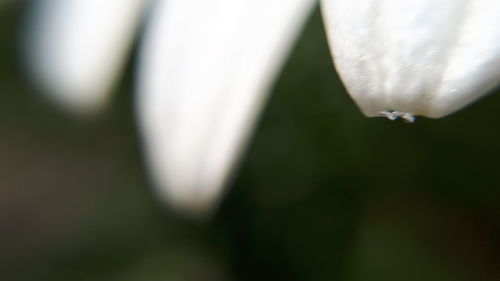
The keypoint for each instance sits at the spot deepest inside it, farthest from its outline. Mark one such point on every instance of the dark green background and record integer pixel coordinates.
(323, 193)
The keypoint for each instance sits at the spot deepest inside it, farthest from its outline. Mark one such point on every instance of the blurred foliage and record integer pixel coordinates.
(322, 194)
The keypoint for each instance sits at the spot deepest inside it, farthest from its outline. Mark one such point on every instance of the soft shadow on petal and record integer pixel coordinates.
(422, 57)
(474, 62)
(75, 48)
(205, 69)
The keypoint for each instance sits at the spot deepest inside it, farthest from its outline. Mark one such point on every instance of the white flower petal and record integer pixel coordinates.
(75, 48)
(423, 57)
(205, 69)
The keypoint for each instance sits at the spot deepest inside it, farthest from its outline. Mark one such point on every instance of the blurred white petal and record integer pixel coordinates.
(423, 57)
(205, 69)
(76, 48)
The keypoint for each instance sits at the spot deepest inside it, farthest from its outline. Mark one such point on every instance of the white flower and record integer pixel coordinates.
(423, 57)
(205, 67)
